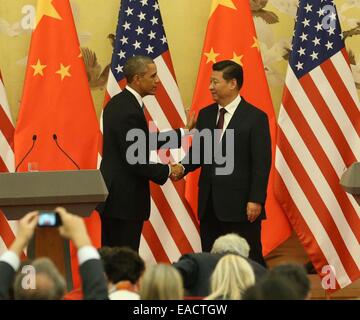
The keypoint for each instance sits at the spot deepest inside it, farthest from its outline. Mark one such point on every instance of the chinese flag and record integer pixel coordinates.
(231, 35)
(57, 100)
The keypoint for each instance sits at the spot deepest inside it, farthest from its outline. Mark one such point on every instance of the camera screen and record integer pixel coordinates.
(47, 219)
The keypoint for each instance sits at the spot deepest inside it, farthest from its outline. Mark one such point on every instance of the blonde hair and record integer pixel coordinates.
(161, 282)
(231, 243)
(231, 277)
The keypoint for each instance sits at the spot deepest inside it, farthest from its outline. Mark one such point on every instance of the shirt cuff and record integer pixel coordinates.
(12, 259)
(87, 253)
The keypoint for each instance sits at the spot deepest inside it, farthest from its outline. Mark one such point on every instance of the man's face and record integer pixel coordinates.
(149, 81)
(220, 88)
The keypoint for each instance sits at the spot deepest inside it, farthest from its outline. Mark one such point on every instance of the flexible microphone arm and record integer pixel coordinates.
(34, 137)
(63, 151)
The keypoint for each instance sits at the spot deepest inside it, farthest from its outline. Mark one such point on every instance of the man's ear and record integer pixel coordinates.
(136, 78)
(233, 83)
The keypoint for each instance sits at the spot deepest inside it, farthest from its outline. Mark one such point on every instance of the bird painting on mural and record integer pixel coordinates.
(96, 76)
(257, 8)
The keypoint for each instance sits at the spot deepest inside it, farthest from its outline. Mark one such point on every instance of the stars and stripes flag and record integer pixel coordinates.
(318, 138)
(172, 229)
(7, 228)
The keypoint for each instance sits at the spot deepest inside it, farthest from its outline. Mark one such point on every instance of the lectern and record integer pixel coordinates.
(78, 191)
(350, 181)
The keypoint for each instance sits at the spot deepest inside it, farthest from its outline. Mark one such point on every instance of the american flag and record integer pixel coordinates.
(7, 229)
(318, 138)
(172, 229)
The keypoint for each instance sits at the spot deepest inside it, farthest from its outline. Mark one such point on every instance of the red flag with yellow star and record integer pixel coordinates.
(57, 100)
(231, 35)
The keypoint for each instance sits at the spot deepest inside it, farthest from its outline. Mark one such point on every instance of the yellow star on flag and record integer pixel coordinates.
(256, 43)
(63, 71)
(211, 56)
(225, 3)
(38, 68)
(237, 59)
(46, 8)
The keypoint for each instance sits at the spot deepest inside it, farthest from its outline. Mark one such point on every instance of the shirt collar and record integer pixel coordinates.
(136, 94)
(231, 107)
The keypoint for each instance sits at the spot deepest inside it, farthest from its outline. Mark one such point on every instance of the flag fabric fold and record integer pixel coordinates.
(231, 35)
(57, 100)
(318, 138)
(7, 228)
(172, 229)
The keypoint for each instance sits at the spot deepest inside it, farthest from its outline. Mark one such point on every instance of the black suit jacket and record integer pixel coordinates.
(7, 275)
(252, 160)
(196, 270)
(128, 184)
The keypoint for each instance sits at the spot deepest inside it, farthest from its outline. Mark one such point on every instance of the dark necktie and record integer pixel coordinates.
(220, 123)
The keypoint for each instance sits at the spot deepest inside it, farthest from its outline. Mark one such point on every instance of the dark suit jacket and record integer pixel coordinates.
(252, 161)
(7, 275)
(93, 280)
(128, 184)
(197, 268)
(92, 276)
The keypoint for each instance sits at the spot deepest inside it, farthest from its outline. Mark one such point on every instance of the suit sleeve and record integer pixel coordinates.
(188, 270)
(93, 280)
(140, 165)
(7, 275)
(260, 159)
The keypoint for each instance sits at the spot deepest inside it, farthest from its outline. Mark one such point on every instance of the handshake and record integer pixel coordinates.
(177, 171)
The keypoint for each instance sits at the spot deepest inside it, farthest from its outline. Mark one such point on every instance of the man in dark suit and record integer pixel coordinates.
(232, 200)
(128, 203)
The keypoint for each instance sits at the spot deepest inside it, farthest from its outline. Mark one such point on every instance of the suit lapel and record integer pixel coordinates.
(237, 116)
(135, 104)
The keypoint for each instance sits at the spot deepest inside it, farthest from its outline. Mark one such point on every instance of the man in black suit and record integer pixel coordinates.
(231, 200)
(90, 265)
(128, 203)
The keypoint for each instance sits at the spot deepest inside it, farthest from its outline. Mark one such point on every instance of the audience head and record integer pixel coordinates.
(49, 283)
(231, 243)
(161, 282)
(122, 264)
(295, 274)
(231, 277)
(272, 287)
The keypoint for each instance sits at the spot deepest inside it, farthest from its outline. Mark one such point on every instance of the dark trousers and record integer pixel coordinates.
(121, 233)
(211, 228)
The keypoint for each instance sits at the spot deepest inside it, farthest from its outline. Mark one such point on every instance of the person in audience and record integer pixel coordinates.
(73, 228)
(296, 274)
(272, 287)
(196, 268)
(50, 284)
(123, 268)
(161, 282)
(231, 277)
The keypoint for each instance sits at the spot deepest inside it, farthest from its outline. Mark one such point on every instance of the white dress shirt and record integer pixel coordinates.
(230, 110)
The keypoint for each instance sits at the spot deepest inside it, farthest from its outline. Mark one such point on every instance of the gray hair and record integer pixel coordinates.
(231, 243)
(50, 284)
(136, 65)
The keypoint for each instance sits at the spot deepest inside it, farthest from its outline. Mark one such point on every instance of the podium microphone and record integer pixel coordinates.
(34, 137)
(63, 151)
